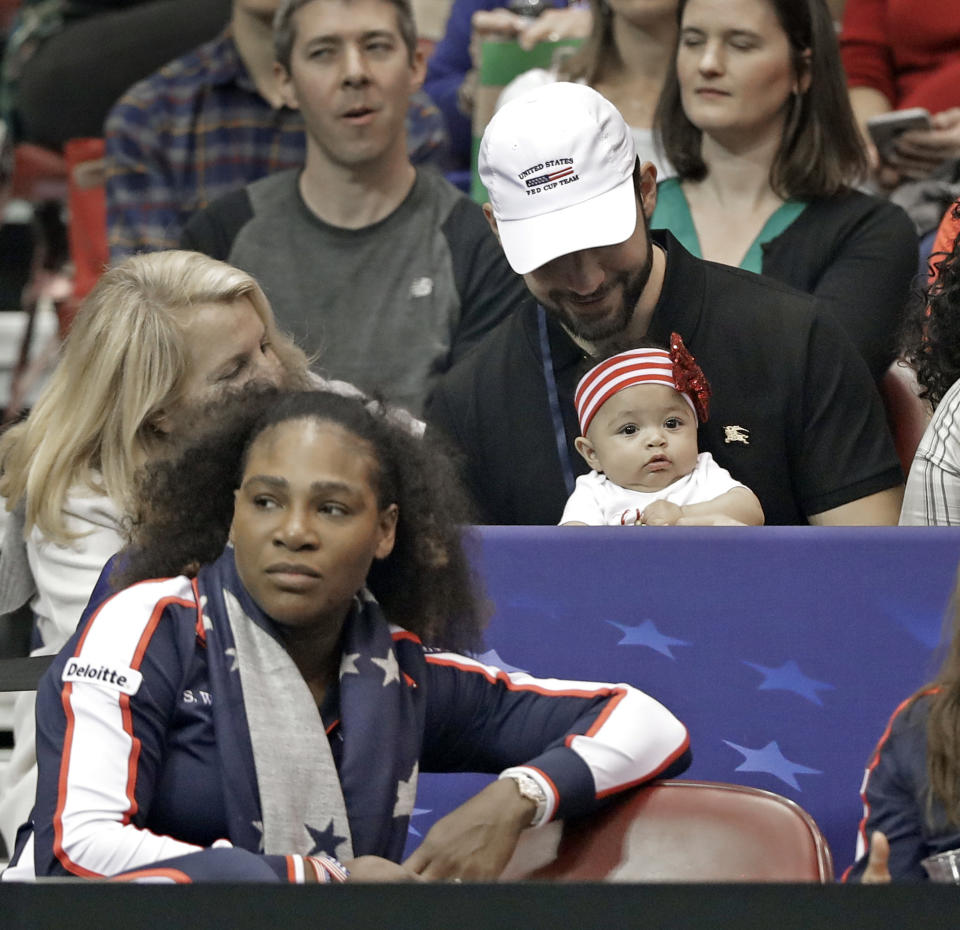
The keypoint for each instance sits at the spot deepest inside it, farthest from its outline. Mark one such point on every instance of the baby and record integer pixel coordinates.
(638, 413)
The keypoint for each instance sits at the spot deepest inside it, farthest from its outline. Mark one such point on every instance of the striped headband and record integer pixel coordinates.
(676, 369)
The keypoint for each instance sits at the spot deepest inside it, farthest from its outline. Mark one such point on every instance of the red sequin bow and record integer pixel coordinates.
(689, 377)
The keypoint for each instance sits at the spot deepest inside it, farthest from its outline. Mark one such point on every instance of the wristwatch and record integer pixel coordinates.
(532, 790)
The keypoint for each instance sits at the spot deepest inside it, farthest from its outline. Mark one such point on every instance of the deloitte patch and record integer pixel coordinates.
(125, 680)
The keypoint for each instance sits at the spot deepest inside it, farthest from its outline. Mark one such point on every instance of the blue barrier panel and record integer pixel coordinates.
(784, 650)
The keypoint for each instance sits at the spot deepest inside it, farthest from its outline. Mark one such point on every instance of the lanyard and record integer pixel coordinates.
(553, 396)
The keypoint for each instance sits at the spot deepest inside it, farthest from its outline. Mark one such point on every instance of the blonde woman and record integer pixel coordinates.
(160, 334)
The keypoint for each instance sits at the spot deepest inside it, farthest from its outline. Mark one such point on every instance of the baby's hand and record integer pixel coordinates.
(661, 513)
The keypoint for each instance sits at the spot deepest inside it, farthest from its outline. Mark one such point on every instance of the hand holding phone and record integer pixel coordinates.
(886, 127)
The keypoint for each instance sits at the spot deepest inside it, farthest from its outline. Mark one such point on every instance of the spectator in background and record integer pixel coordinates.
(756, 121)
(932, 348)
(388, 271)
(626, 58)
(911, 788)
(451, 71)
(209, 123)
(899, 54)
(157, 336)
(68, 61)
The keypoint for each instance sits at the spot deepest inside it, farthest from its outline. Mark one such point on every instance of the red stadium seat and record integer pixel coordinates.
(63, 276)
(680, 831)
(907, 414)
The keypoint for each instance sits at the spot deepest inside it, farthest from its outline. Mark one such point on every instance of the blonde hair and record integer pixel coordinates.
(123, 364)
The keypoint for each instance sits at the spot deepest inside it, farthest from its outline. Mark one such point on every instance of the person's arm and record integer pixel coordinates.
(582, 507)
(475, 841)
(65, 575)
(866, 103)
(868, 64)
(143, 206)
(736, 507)
(101, 744)
(932, 493)
(444, 426)
(500, 24)
(845, 466)
(572, 22)
(866, 53)
(487, 286)
(866, 285)
(894, 802)
(920, 153)
(579, 741)
(880, 509)
(448, 65)
(932, 496)
(213, 229)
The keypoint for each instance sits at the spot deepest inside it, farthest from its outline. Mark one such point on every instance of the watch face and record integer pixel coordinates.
(532, 790)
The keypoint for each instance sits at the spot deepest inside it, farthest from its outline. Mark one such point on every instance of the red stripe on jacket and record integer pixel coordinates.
(874, 762)
(149, 629)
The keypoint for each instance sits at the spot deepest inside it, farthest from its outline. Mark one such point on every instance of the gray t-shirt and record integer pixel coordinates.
(388, 307)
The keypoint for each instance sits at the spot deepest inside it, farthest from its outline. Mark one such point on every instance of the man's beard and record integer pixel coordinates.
(612, 324)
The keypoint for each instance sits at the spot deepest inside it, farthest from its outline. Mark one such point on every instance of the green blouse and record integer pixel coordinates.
(673, 213)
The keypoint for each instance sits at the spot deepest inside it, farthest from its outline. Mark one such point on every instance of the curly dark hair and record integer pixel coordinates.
(930, 342)
(184, 507)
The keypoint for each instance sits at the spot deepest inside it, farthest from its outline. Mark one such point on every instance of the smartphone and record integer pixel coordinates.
(528, 8)
(885, 128)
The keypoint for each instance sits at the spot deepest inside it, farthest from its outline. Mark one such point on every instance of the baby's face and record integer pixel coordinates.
(643, 438)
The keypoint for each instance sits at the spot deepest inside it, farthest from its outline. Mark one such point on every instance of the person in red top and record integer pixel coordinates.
(906, 53)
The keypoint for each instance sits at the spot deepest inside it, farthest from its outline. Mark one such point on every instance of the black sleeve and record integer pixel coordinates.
(867, 285)
(214, 229)
(588, 739)
(443, 427)
(488, 287)
(895, 799)
(844, 427)
(857, 255)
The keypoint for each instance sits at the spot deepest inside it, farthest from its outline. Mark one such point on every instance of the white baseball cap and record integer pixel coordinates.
(558, 167)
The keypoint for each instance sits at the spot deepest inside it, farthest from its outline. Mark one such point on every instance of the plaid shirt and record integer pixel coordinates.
(198, 129)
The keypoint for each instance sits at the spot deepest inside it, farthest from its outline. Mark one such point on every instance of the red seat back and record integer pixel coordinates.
(681, 831)
(907, 414)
